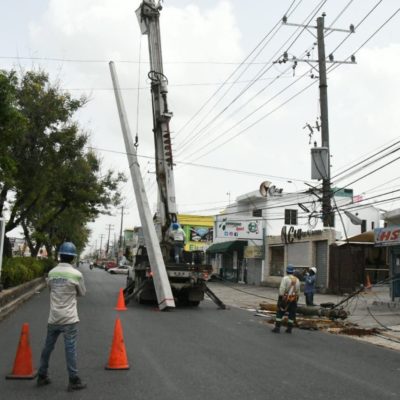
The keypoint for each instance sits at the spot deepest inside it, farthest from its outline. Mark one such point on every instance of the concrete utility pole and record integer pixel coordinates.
(327, 214)
(101, 243)
(161, 282)
(110, 227)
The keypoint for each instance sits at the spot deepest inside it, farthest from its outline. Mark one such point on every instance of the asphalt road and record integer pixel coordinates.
(196, 353)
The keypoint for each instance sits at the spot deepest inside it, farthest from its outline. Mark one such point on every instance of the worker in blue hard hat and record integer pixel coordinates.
(178, 236)
(289, 291)
(65, 283)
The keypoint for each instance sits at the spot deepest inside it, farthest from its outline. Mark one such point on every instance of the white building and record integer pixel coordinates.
(263, 231)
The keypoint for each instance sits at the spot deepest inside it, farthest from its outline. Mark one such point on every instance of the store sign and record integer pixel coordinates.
(254, 252)
(389, 236)
(238, 229)
(289, 235)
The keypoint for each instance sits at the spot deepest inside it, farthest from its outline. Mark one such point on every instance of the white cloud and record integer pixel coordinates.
(363, 103)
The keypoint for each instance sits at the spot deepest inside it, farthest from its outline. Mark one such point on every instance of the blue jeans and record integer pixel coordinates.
(309, 298)
(70, 333)
(178, 250)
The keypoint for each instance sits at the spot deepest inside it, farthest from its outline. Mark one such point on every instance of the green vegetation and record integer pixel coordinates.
(51, 182)
(18, 270)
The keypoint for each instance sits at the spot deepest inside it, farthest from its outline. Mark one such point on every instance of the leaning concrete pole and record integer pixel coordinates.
(157, 265)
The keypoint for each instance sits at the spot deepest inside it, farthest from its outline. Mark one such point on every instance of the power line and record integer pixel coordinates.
(357, 26)
(301, 91)
(101, 61)
(258, 120)
(192, 164)
(197, 135)
(189, 84)
(267, 67)
(314, 12)
(362, 164)
(377, 151)
(270, 33)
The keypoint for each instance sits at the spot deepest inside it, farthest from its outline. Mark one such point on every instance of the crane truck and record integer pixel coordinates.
(155, 275)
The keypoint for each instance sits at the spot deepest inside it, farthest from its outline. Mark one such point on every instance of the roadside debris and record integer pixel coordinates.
(329, 319)
(329, 311)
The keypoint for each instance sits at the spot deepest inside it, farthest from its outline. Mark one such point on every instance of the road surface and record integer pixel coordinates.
(196, 353)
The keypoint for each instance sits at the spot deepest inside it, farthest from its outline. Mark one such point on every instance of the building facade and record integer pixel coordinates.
(289, 231)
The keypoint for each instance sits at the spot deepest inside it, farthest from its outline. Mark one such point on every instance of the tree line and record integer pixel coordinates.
(51, 184)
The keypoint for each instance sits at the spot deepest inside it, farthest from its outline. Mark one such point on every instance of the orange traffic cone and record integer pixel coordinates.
(121, 302)
(367, 283)
(118, 358)
(23, 368)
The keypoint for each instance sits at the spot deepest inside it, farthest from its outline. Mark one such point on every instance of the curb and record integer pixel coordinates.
(11, 299)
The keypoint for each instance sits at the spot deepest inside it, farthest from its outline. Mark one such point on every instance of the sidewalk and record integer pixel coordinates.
(371, 309)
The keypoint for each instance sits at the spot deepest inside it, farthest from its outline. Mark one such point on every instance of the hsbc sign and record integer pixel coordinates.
(389, 236)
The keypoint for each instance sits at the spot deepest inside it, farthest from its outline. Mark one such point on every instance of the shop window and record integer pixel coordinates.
(277, 260)
(290, 217)
(257, 212)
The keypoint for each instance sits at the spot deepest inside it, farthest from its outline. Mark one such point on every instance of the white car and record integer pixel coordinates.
(122, 269)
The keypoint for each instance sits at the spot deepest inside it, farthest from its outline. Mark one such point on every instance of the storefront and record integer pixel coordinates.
(253, 270)
(302, 249)
(390, 237)
(227, 259)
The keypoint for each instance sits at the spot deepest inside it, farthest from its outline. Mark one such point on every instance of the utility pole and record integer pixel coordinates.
(110, 227)
(120, 229)
(327, 214)
(101, 243)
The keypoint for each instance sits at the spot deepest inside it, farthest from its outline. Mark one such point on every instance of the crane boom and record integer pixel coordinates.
(148, 15)
(187, 273)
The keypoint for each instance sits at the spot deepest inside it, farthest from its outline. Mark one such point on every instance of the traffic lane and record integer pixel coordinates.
(233, 354)
(218, 348)
(198, 352)
(98, 303)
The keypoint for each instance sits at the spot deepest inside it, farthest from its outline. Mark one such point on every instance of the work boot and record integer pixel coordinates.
(76, 384)
(277, 328)
(289, 329)
(43, 380)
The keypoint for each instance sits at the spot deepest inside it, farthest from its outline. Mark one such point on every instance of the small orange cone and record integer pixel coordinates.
(121, 302)
(23, 368)
(367, 283)
(118, 358)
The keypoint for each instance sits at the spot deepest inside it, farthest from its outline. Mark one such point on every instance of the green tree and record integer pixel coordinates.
(52, 185)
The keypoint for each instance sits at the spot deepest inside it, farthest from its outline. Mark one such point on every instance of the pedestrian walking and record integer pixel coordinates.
(178, 236)
(65, 284)
(309, 285)
(289, 291)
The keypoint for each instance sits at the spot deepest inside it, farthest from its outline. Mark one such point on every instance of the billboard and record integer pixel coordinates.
(231, 228)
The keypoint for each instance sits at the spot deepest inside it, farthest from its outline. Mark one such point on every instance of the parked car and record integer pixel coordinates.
(110, 264)
(122, 269)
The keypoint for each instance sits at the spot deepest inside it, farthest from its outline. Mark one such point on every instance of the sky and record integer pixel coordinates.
(239, 114)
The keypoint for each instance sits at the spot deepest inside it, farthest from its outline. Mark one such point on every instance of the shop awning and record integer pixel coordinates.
(226, 247)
